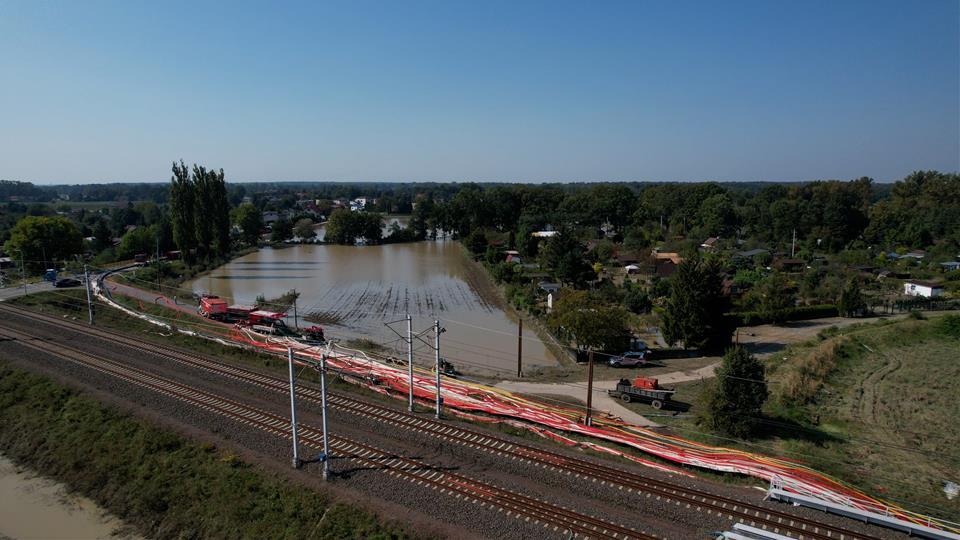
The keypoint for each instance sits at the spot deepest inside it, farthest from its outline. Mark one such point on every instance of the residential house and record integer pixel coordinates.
(914, 254)
(950, 266)
(548, 287)
(789, 265)
(665, 263)
(749, 254)
(926, 289)
(270, 217)
(710, 244)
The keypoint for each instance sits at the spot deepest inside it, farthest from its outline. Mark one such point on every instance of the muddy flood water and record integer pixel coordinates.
(36, 507)
(355, 289)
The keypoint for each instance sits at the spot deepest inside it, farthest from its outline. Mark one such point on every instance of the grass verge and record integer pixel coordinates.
(874, 405)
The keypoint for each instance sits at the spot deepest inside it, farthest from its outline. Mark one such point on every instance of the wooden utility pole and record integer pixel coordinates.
(589, 418)
(296, 323)
(519, 348)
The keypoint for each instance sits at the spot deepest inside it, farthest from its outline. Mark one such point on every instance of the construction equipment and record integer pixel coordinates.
(212, 307)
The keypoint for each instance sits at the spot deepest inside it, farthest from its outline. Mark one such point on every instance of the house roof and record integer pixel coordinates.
(923, 283)
(752, 252)
(710, 242)
(675, 258)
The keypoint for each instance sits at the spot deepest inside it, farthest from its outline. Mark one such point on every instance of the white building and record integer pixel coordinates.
(926, 289)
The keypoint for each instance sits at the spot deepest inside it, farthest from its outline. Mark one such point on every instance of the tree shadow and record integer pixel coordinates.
(383, 465)
(764, 347)
(775, 427)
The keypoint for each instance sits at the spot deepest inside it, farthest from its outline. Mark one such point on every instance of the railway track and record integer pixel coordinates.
(733, 509)
(514, 504)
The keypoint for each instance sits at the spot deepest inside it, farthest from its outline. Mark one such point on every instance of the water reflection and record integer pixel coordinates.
(354, 290)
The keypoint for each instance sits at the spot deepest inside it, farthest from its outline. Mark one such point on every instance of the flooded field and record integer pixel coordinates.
(352, 291)
(35, 507)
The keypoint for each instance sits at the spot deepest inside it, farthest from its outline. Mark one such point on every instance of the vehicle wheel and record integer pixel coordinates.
(626, 398)
(615, 364)
(657, 404)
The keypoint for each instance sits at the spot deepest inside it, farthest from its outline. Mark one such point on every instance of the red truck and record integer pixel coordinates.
(212, 307)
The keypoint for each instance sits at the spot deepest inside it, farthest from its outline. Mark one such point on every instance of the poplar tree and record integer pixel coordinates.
(203, 210)
(182, 210)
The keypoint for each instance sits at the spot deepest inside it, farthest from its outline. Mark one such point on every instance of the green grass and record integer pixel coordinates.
(874, 405)
(160, 483)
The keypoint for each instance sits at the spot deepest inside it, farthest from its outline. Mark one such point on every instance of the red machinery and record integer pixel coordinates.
(212, 307)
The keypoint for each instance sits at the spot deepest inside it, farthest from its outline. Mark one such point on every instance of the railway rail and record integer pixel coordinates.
(515, 504)
(699, 500)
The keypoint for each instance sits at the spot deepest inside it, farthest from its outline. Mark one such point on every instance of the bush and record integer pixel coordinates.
(798, 313)
(806, 375)
(950, 326)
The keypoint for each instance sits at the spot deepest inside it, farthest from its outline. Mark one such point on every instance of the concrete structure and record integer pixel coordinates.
(927, 289)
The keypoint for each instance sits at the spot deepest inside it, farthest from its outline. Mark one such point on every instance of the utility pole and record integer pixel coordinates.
(410, 360)
(293, 411)
(86, 281)
(157, 269)
(793, 244)
(23, 272)
(296, 323)
(519, 348)
(323, 404)
(589, 418)
(436, 347)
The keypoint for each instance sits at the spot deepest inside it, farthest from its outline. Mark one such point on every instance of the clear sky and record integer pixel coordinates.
(490, 91)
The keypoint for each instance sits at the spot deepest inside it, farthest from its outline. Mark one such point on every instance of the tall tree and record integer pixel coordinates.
(734, 401)
(774, 297)
(695, 311)
(250, 221)
(221, 214)
(204, 210)
(182, 211)
(851, 301)
(565, 255)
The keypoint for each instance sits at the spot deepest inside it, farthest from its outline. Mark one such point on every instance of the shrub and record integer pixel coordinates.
(950, 326)
(798, 313)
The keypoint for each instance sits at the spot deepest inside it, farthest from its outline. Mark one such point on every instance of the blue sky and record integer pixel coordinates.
(488, 91)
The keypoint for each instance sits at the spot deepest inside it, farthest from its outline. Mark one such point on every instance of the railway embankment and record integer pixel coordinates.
(162, 484)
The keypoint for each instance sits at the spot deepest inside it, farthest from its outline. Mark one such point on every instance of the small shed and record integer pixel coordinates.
(950, 266)
(926, 289)
(548, 286)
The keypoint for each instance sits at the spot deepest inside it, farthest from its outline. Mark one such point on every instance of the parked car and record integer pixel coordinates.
(629, 359)
(67, 282)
